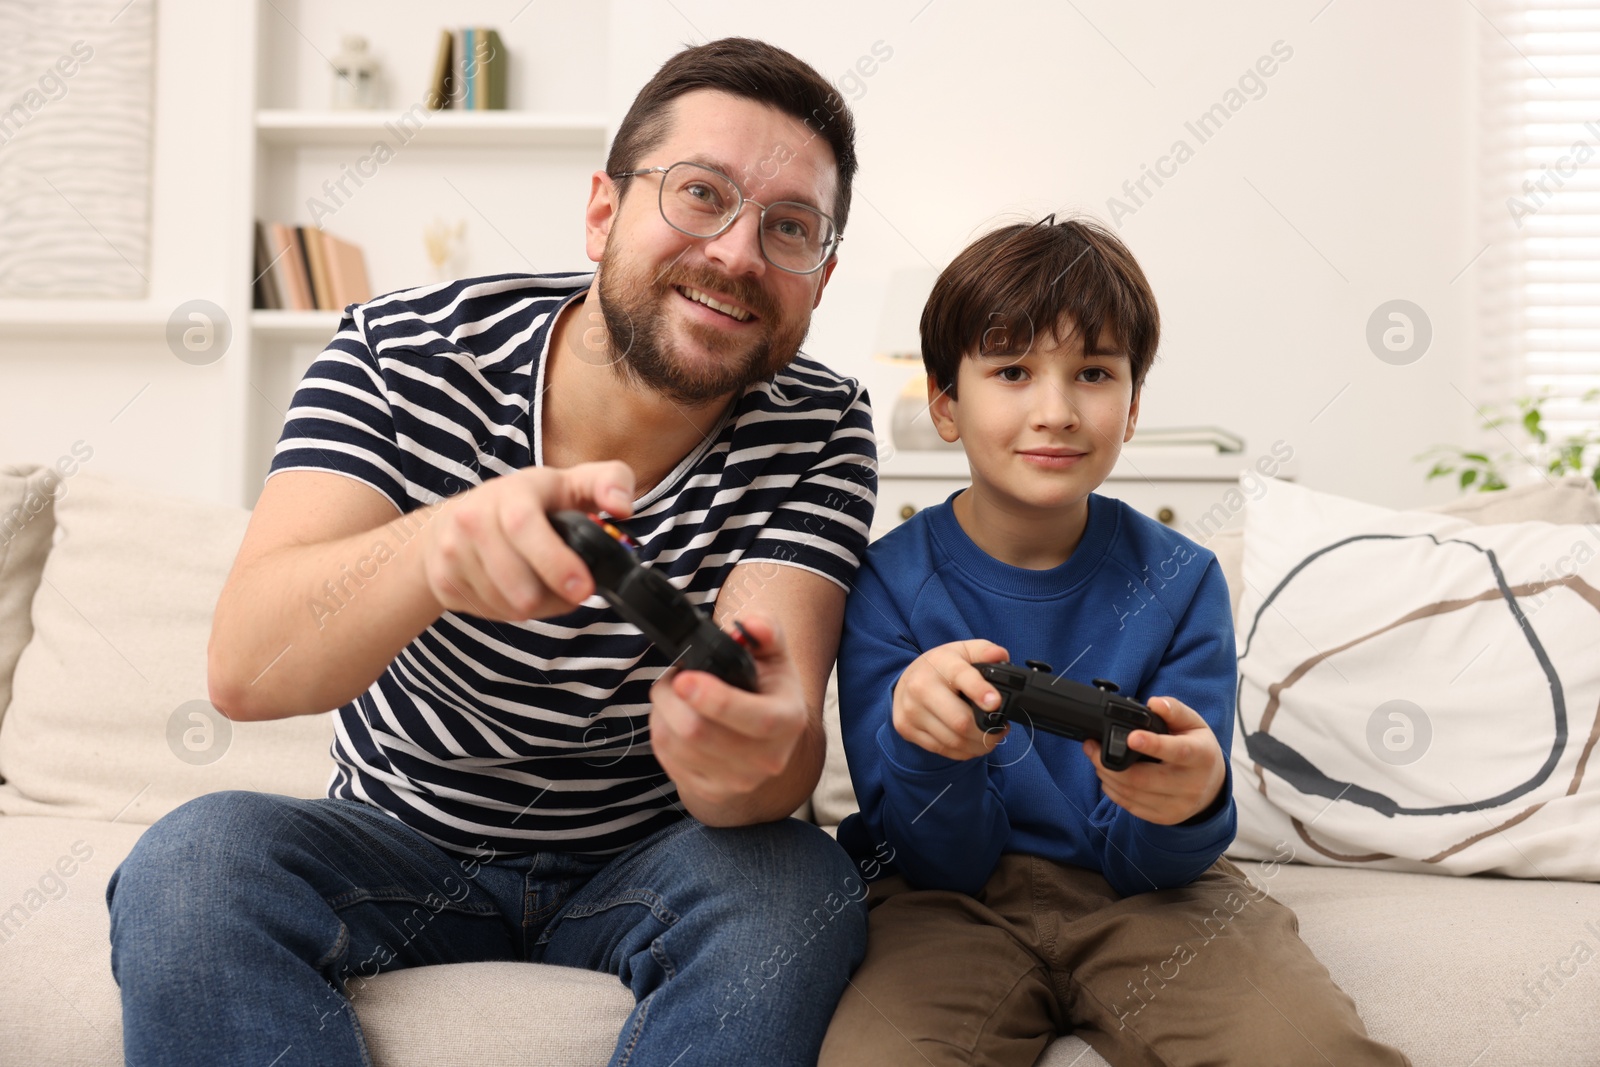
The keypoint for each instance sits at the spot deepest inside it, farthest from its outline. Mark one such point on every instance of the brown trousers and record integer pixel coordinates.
(1214, 973)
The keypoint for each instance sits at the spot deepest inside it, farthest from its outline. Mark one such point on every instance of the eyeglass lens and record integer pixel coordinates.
(701, 202)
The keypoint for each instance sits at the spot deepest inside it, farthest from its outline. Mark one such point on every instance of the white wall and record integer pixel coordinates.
(1363, 141)
(177, 435)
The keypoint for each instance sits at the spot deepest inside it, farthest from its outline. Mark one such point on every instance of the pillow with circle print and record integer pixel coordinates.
(1417, 692)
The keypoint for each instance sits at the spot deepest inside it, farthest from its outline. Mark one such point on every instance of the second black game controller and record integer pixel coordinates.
(657, 607)
(1068, 709)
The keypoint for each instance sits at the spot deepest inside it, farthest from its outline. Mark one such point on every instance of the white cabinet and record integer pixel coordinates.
(1195, 491)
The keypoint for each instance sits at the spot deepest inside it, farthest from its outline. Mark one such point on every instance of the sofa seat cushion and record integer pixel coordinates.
(492, 1015)
(1480, 970)
(61, 1005)
(57, 997)
(1474, 970)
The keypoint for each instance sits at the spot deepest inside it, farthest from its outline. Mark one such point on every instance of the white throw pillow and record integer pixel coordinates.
(1416, 691)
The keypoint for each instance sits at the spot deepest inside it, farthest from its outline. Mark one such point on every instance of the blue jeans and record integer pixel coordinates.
(242, 922)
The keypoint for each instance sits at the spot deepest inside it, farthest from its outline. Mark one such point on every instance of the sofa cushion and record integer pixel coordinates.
(834, 797)
(108, 715)
(492, 1015)
(1571, 499)
(1455, 971)
(57, 997)
(27, 521)
(1414, 951)
(61, 1004)
(1416, 691)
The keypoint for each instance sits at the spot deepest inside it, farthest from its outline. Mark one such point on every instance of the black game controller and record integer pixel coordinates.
(656, 606)
(1068, 709)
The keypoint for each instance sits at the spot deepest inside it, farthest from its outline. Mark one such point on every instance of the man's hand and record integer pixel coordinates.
(720, 744)
(491, 551)
(1183, 784)
(928, 709)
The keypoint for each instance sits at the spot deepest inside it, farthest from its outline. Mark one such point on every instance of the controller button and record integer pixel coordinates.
(1102, 684)
(1116, 746)
(1039, 665)
(615, 534)
(744, 636)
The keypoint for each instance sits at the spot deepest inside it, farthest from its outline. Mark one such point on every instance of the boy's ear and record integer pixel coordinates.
(941, 410)
(1133, 414)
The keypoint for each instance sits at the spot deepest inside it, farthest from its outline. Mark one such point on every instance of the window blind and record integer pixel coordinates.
(1540, 157)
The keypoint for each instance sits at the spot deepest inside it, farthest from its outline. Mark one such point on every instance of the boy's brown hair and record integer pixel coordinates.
(1022, 279)
(753, 70)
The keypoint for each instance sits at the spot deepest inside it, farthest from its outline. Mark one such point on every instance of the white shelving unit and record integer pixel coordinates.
(479, 129)
(293, 325)
(517, 179)
(81, 318)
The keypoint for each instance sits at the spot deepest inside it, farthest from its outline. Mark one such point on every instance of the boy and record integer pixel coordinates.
(1038, 893)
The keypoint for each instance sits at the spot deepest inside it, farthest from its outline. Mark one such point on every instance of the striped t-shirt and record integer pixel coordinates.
(519, 737)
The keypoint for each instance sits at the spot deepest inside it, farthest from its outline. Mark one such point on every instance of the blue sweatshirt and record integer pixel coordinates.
(1136, 603)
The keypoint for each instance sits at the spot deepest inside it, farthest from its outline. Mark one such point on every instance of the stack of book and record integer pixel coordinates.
(301, 268)
(469, 72)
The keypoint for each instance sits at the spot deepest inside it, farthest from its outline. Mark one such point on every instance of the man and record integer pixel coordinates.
(517, 775)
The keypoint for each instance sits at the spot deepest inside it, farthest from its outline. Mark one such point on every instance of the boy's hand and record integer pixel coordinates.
(928, 709)
(1183, 784)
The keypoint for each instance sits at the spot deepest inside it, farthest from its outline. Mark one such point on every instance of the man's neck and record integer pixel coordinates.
(592, 411)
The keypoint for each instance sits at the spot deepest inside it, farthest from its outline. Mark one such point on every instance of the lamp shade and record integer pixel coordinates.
(898, 338)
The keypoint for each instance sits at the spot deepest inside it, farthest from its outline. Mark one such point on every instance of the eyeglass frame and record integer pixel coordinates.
(761, 241)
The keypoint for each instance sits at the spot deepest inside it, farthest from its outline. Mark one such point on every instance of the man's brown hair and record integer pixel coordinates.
(1012, 284)
(755, 71)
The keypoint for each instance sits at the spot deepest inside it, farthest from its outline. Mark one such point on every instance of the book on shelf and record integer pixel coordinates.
(307, 269)
(318, 267)
(469, 71)
(264, 290)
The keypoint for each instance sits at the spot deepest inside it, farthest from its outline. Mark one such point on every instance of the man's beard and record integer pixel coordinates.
(633, 302)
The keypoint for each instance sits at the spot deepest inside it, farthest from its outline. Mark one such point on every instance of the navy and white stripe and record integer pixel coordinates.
(517, 737)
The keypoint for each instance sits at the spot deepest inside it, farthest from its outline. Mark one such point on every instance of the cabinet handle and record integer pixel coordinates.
(1166, 516)
(906, 511)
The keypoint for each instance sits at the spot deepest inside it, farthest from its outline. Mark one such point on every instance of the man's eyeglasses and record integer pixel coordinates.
(702, 202)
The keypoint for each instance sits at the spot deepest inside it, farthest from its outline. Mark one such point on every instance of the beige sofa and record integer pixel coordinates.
(106, 594)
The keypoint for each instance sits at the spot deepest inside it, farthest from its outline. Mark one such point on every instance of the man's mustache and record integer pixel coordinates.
(744, 291)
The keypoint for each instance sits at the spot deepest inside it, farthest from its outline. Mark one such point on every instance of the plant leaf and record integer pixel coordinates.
(1530, 422)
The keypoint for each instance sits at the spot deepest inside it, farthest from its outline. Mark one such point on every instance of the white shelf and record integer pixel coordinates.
(77, 318)
(1153, 462)
(487, 129)
(295, 325)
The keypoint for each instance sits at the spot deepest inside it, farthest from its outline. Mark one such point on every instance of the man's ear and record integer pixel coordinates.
(604, 203)
(825, 273)
(941, 409)
(1133, 413)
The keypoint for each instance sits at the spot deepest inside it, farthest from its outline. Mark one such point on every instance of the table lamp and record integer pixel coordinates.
(900, 343)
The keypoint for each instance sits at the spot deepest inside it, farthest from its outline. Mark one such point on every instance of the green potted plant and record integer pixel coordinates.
(1484, 472)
